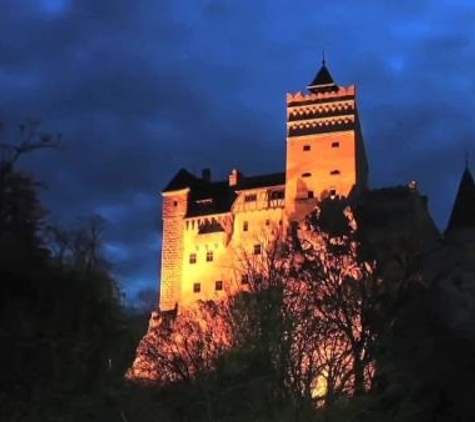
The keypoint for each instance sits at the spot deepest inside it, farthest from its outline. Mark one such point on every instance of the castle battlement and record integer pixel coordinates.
(299, 97)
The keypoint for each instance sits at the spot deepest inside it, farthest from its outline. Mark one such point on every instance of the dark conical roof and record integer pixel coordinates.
(323, 81)
(463, 211)
(183, 179)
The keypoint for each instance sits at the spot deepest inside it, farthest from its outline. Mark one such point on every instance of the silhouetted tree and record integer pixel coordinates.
(60, 319)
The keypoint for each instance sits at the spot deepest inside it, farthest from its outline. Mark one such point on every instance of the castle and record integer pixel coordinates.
(212, 229)
(208, 225)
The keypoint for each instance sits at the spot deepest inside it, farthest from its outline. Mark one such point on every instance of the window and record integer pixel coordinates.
(307, 148)
(280, 222)
(209, 256)
(175, 203)
(267, 222)
(192, 258)
(245, 226)
(251, 197)
(257, 249)
(277, 194)
(307, 174)
(310, 194)
(245, 279)
(335, 144)
(218, 285)
(335, 172)
(196, 287)
(332, 192)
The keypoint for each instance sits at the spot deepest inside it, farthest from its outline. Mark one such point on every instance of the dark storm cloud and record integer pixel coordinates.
(140, 89)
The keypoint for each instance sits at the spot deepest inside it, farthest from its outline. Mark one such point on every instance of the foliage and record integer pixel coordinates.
(320, 333)
(60, 322)
(301, 327)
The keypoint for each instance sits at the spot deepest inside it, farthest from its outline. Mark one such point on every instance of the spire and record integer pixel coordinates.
(323, 80)
(463, 211)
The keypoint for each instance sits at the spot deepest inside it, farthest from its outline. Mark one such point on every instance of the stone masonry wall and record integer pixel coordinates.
(174, 209)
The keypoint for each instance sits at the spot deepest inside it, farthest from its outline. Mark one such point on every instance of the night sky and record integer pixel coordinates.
(141, 88)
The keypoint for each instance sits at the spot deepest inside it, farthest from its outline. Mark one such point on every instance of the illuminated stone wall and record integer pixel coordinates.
(213, 262)
(325, 151)
(174, 209)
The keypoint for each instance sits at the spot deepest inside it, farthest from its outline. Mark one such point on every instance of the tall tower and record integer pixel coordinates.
(175, 206)
(325, 148)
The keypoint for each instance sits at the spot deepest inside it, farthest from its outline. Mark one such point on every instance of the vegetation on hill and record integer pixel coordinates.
(320, 334)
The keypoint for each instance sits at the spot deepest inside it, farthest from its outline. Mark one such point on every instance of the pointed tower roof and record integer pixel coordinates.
(183, 179)
(323, 80)
(463, 211)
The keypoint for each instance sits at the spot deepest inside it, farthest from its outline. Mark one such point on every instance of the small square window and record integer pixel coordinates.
(209, 256)
(335, 172)
(310, 194)
(245, 279)
(196, 287)
(257, 249)
(335, 144)
(245, 226)
(306, 148)
(192, 258)
(218, 285)
(251, 197)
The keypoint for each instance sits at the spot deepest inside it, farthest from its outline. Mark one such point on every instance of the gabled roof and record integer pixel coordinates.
(463, 211)
(323, 81)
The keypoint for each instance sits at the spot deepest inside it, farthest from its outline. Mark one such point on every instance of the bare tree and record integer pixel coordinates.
(181, 347)
(333, 295)
(31, 138)
(304, 310)
(20, 209)
(81, 247)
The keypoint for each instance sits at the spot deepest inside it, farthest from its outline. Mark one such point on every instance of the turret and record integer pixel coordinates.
(175, 207)
(461, 225)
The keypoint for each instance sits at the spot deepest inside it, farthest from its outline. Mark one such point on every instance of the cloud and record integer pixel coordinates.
(140, 89)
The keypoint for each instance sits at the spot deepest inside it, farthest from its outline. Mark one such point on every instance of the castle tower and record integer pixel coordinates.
(461, 224)
(175, 207)
(325, 148)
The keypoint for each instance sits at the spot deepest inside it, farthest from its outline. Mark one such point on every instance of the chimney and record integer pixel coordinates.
(235, 177)
(206, 175)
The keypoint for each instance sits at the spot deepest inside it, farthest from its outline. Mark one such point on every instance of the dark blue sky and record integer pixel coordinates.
(142, 88)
